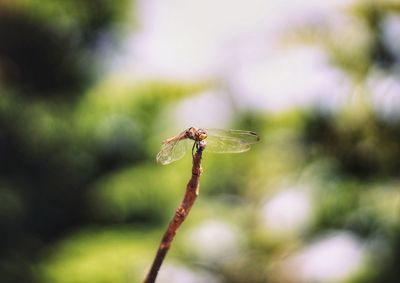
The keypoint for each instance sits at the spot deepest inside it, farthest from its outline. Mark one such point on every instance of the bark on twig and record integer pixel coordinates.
(180, 215)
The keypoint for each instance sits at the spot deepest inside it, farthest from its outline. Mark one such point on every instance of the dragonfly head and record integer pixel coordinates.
(196, 134)
(201, 135)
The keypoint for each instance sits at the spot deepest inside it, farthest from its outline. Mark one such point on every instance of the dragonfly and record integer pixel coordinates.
(216, 140)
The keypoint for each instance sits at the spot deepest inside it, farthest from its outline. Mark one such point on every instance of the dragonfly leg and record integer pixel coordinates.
(194, 145)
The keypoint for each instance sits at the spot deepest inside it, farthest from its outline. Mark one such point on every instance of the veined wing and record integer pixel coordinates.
(230, 141)
(172, 150)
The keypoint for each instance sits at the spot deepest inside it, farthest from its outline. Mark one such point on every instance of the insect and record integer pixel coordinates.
(217, 141)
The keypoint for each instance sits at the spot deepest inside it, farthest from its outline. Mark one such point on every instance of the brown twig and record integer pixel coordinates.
(192, 190)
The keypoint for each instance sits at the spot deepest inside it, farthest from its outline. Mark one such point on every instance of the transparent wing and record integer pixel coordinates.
(172, 151)
(245, 136)
(230, 141)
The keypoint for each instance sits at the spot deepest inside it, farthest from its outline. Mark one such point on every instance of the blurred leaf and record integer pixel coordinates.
(143, 194)
(117, 255)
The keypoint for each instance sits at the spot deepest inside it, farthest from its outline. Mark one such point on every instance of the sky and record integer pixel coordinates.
(241, 45)
(246, 48)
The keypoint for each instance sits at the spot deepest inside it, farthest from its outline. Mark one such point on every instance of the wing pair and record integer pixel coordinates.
(217, 141)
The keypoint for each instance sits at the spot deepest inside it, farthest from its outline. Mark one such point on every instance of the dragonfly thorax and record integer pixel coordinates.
(196, 134)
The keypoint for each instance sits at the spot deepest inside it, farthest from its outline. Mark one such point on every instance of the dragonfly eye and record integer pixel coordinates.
(202, 136)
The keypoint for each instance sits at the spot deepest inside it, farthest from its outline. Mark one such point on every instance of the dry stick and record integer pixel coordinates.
(180, 214)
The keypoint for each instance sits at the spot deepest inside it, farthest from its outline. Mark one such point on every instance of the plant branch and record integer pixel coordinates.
(192, 191)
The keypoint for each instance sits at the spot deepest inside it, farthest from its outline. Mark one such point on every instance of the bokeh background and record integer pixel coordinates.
(89, 89)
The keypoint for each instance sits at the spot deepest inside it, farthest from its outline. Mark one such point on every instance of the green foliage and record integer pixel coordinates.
(116, 255)
(85, 19)
(363, 145)
(134, 195)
